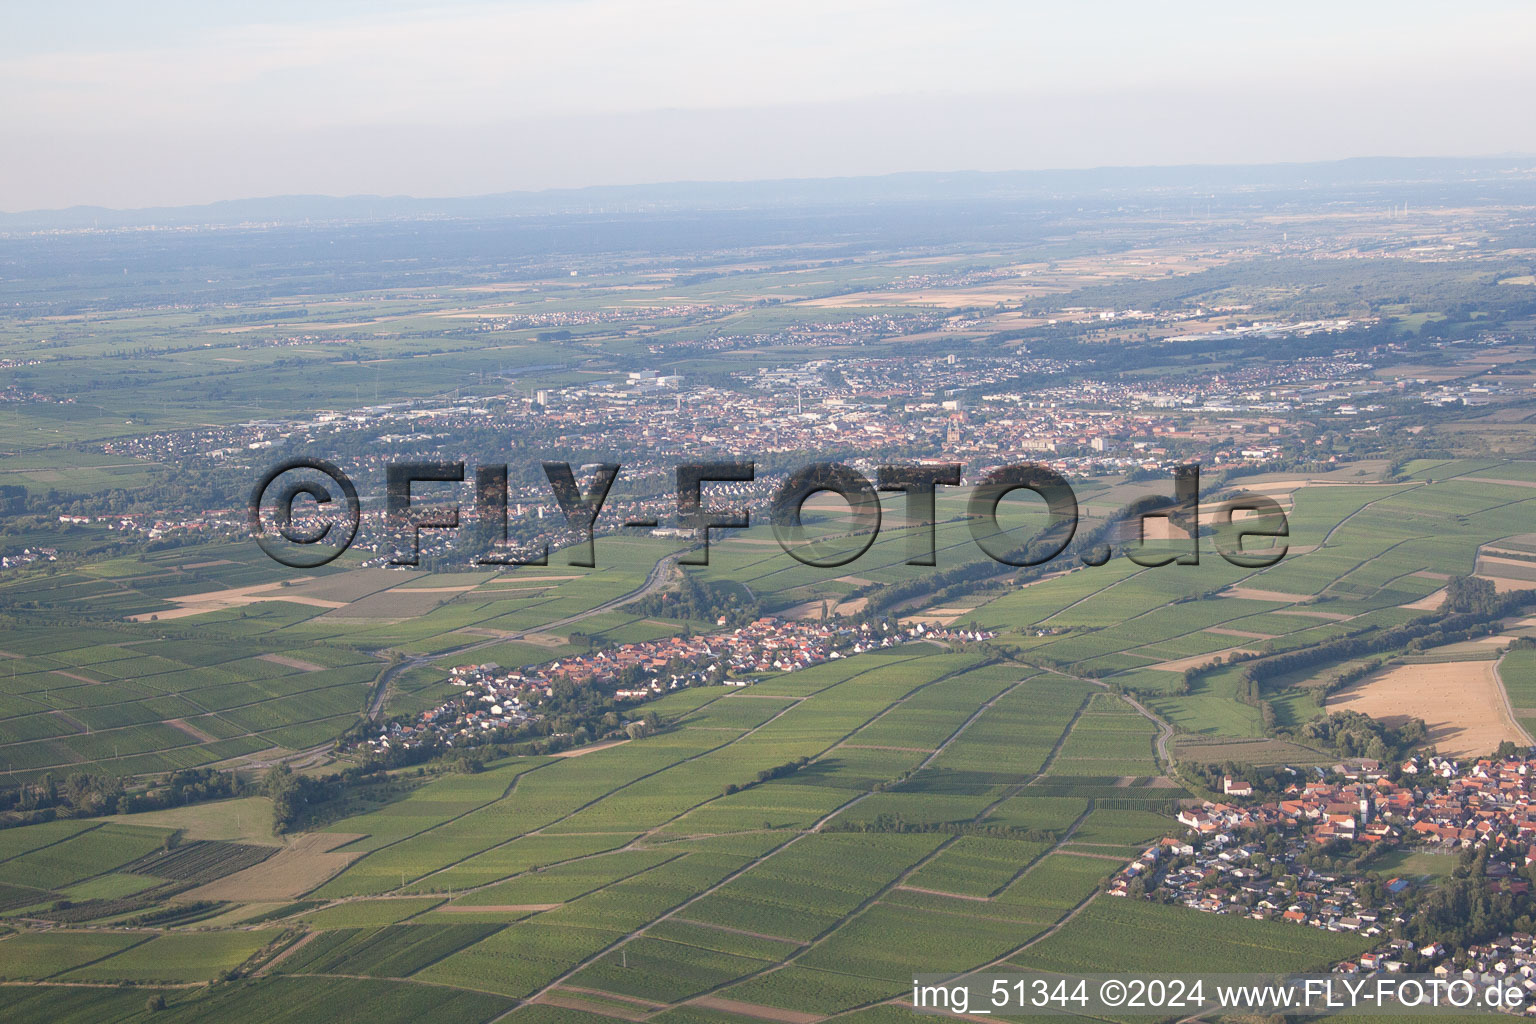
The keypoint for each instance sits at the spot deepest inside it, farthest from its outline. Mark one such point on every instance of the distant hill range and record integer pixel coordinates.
(1424, 179)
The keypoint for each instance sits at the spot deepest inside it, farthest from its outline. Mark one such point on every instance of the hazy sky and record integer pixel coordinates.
(178, 101)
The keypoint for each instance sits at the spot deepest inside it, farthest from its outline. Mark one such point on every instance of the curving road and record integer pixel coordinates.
(1509, 710)
(1164, 730)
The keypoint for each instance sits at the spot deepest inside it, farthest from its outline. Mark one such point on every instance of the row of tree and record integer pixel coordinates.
(88, 794)
(778, 771)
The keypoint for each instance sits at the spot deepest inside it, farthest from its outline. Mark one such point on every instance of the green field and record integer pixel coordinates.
(794, 848)
(953, 810)
(1155, 939)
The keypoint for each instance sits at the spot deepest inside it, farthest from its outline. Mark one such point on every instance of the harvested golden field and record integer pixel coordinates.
(287, 662)
(245, 819)
(1461, 702)
(1194, 661)
(305, 863)
(937, 616)
(1255, 594)
(333, 591)
(1427, 603)
(590, 748)
(235, 597)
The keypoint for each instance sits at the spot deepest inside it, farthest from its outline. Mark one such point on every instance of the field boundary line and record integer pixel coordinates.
(836, 744)
(56, 842)
(595, 889)
(738, 931)
(732, 876)
(148, 937)
(898, 882)
(1509, 709)
(595, 800)
(294, 947)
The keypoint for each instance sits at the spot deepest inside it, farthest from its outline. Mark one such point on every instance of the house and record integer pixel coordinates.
(1236, 787)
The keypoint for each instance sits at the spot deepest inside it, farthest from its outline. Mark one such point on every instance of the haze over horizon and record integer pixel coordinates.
(640, 189)
(180, 105)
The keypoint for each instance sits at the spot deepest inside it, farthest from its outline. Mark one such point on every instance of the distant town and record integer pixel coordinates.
(980, 411)
(493, 701)
(1262, 859)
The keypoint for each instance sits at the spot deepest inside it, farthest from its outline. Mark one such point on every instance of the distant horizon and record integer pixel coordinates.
(749, 182)
(178, 103)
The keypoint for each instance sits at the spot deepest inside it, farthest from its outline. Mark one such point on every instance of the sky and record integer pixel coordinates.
(176, 102)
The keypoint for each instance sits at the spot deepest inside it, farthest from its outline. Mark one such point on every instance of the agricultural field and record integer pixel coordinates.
(1462, 703)
(250, 792)
(954, 808)
(1109, 738)
(1517, 675)
(1155, 939)
(176, 957)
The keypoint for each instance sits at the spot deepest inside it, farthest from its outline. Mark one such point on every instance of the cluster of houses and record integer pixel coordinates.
(968, 408)
(1229, 874)
(1439, 801)
(767, 644)
(1508, 960)
(1250, 859)
(153, 527)
(1364, 807)
(28, 555)
(971, 409)
(1488, 803)
(18, 393)
(493, 698)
